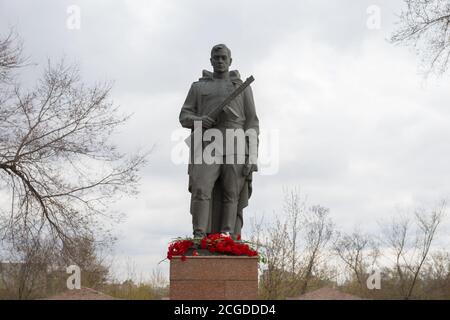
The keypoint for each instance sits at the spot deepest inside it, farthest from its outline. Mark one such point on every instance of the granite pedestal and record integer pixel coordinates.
(214, 278)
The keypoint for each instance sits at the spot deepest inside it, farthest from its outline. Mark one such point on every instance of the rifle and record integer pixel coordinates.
(214, 113)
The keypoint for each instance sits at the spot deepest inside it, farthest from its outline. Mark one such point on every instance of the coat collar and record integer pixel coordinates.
(235, 77)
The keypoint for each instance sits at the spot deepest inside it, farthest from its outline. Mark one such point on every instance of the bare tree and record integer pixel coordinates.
(425, 25)
(437, 275)
(396, 237)
(36, 267)
(10, 55)
(23, 271)
(417, 270)
(273, 242)
(412, 243)
(57, 163)
(294, 245)
(319, 230)
(359, 252)
(294, 208)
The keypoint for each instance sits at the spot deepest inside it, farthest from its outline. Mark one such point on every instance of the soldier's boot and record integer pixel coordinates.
(229, 215)
(200, 217)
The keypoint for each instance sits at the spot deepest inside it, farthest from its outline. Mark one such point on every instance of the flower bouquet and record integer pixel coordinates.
(212, 244)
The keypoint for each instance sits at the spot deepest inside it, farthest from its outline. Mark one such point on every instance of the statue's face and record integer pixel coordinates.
(220, 61)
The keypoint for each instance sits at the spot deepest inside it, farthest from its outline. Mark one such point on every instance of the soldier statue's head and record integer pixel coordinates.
(220, 58)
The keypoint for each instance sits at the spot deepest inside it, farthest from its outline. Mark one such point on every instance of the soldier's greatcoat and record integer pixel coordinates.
(203, 96)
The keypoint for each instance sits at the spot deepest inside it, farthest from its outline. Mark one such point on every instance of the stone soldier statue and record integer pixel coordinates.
(220, 190)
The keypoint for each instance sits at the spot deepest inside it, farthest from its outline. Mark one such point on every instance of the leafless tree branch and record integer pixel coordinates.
(424, 24)
(56, 155)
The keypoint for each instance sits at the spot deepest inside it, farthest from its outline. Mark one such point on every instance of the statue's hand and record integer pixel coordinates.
(207, 122)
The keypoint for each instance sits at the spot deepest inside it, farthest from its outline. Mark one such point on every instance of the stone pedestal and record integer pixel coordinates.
(214, 278)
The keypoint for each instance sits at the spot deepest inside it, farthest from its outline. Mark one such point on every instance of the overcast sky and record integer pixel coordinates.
(359, 130)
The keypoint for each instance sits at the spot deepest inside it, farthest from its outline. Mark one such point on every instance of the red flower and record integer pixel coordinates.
(179, 248)
(225, 244)
(213, 243)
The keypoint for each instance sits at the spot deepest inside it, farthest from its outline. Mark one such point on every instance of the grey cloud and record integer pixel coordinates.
(360, 134)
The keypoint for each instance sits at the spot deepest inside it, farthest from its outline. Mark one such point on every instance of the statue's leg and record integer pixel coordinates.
(203, 179)
(232, 183)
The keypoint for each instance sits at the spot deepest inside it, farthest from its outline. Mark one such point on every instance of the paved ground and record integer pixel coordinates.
(81, 294)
